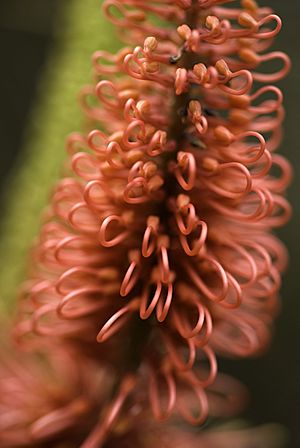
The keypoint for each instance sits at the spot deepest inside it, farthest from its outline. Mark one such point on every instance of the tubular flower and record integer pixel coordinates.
(167, 213)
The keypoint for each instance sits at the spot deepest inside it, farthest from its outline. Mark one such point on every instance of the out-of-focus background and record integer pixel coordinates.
(26, 35)
(26, 40)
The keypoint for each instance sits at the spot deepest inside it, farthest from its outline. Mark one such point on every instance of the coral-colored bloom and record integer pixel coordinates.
(167, 214)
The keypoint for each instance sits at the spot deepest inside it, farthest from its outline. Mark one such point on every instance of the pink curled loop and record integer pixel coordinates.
(134, 134)
(81, 218)
(207, 353)
(234, 290)
(43, 328)
(268, 34)
(150, 236)
(119, 238)
(245, 335)
(267, 106)
(273, 77)
(97, 141)
(182, 322)
(181, 81)
(67, 280)
(85, 95)
(85, 166)
(250, 275)
(246, 74)
(117, 321)
(197, 118)
(203, 288)
(106, 63)
(146, 308)
(258, 150)
(69, 251)
(241, 172)
(109, 67)
(119, 19)
(99, 434)
(139, 66)
(259, 200)
(67, 310)
(189, 381)
(131, 112)
(136, 191)
(202, 338)
(186, 165)
(186, 218)
(58, 420)
(156, 144)
(249, 153)
(201, 125)
(115, 156)
(164, 265)
(132, 274)
(193, 249)
(156, 394)
(133, 65)
(227, 396)
(75, 142)
(176, 358)
(164, 303)
(96, 193)
(160, 299)
(108, 94)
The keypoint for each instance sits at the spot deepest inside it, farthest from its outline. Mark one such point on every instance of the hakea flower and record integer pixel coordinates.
(168, 212)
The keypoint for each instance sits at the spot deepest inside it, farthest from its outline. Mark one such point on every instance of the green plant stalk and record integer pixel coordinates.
(56, 113)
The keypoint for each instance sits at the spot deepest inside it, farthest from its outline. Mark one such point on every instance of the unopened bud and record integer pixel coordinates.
(149, 169)
(200, 71)
(125, 95)
(251, 5)
(239, 117)
(248, 55)
(155, 183)
(108, 274)
(134, 255)
(210, 164)
(150, 43)
(212, 22)
(163, 240)
(223, 135)
(195, 108)
(153, 221)
(246, 20)
(240, 101)
(182, 200)
(222, 67)
(184, 32)
(136, 16)
(151, 67)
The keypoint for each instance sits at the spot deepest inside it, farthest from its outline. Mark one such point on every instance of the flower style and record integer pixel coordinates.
(171, 198)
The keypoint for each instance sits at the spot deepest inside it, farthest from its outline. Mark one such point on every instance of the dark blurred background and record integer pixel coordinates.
(26, 36)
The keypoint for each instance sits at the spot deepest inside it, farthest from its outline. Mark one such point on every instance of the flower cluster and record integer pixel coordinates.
(156, 253)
